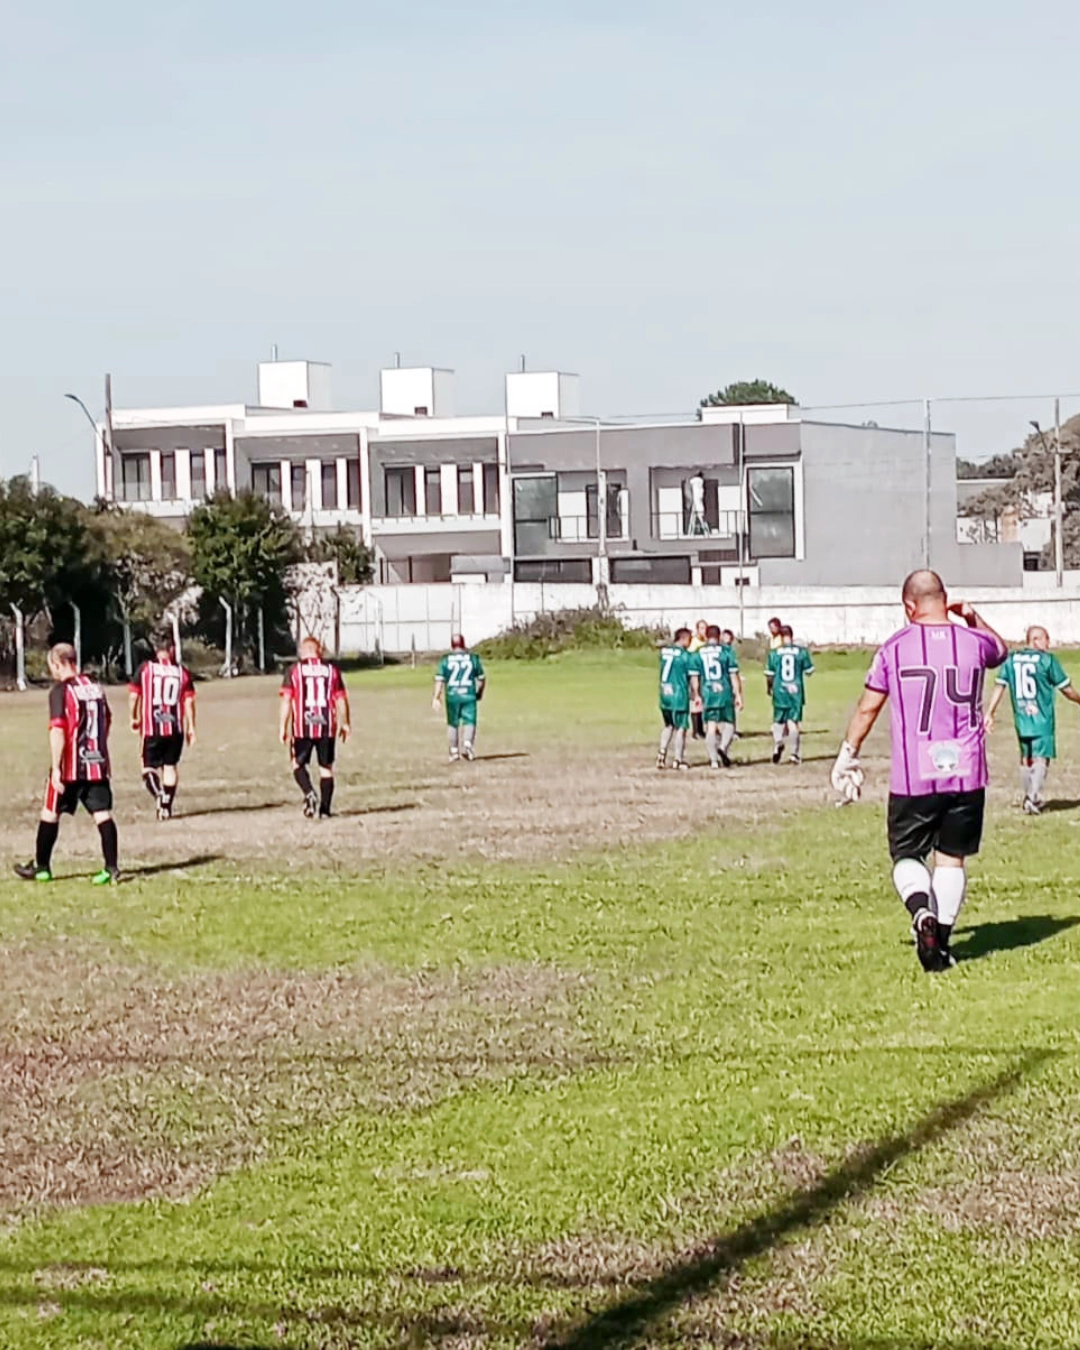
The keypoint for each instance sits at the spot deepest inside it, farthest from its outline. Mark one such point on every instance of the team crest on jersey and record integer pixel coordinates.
(945, 756)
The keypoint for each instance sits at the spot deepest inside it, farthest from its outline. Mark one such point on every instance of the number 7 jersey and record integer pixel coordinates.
(933, 675)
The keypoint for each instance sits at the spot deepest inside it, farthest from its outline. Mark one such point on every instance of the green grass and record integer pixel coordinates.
(749, 1026)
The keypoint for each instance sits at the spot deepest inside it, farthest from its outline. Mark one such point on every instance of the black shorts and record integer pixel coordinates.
(157, 751)
(323, 747)
(948, 822)
(94, 796)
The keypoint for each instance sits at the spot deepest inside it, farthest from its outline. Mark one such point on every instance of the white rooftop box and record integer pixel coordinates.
(295, 384)
(542, 393)
(416, 391)
(750, 414)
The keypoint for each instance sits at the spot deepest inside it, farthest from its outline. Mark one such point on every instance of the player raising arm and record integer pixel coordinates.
(314, 714)
(460, 682)
(933, 670)
(162, 706)
(79, 721)
(722, 695)
(1033, 676)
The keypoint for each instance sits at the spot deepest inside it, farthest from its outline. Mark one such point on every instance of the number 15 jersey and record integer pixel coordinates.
(934, 675)
(315, 688)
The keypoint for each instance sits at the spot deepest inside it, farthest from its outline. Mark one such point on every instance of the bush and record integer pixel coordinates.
(566, 630)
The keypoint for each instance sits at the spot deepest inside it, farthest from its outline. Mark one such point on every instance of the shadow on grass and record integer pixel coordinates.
(392, 809)
(239, 807)
(641, 1314)
(629, 1320)
(510, 754)
(1060, 804)
(1008, 934)
(183, 865)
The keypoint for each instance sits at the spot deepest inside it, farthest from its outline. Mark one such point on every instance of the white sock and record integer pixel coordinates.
(911, 877)
(950, 886)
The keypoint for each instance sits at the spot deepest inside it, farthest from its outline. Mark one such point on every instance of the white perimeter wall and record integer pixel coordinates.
(404, 618)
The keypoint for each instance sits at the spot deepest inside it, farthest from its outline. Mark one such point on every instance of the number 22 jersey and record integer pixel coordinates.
(934, 675)
(315, 688)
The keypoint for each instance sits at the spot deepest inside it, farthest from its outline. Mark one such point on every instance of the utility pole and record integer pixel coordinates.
(1059, 506)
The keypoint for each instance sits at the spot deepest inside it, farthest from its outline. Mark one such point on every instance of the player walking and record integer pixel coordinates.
(79, 720)
(785, 678)
(1033, 676)
(460, 682)
(162, 705)
(722, 692)
(680, 685)
(314, 714)
(933, 670)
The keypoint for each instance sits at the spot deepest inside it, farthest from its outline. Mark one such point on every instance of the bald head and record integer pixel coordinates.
(1038, 638)
(924, 597)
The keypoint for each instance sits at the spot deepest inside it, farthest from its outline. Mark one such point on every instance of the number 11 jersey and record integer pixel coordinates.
(315, 688)
(934, 676)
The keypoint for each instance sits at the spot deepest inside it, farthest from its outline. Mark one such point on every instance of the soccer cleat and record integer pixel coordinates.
(454, 756)
(682, 766)
(32, 872)
(164, 811)
(108, 876)
(777, 754)
(948, 961)
(661, 761)
(1032, 807)
(468, 753)
(795, 759)
(311, 805)
(928, 941)
(725, 759)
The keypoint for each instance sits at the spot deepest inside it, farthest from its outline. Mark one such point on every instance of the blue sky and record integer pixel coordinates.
(860, 201)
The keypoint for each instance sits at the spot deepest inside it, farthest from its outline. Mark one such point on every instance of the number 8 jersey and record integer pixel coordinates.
(315, 688)
(163, 688)
(933, 674)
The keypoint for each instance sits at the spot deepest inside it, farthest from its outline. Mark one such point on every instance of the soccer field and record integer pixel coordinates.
(550, 1049)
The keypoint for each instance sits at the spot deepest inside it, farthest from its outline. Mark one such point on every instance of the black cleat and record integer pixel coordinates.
(32, 872)
(725, 759)
(311, 805)
(777, 754)
(928, 942)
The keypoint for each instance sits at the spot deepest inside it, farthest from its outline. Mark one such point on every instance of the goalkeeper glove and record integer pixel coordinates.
(847, 775)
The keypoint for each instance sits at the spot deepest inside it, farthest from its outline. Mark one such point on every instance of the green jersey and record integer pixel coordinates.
(787, 669)
(718, 664)
(676, 667)
(1033, 679)
(461, 673)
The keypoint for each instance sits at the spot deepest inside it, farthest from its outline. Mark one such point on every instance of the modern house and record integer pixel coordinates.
(754, 495)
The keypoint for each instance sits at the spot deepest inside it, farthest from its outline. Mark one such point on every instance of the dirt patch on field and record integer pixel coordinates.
(119, 1085)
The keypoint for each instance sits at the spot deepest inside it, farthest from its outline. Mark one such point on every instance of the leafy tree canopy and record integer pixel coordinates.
(147, 563)
(748, 391)
(46, 555)
(241, 549)
(344, 547)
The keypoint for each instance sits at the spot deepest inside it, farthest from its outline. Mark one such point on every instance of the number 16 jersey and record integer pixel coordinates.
(934, 676)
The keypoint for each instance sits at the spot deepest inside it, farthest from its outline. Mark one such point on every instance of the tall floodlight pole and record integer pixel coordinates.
(98, 436)
(1059, 513)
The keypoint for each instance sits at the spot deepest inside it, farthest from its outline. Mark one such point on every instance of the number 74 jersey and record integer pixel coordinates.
(934, 675)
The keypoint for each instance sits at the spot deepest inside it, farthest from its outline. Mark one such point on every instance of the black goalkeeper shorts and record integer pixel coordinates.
(943, 822)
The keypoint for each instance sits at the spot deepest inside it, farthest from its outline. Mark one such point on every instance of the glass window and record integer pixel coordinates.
(135, 477)
(328, 473)
(536, 512)
(554, 569)
(198, 475)
(771, 499)
(651, 571)
(433, 490)
(266, 481)
(400, 491)
(466, 490)
(352, 484)
(298, 478)
(221, 472)
(168, 476)
(612, 517)
(491, 489)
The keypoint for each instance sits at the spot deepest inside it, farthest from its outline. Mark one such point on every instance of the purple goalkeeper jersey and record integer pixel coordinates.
(933, 674)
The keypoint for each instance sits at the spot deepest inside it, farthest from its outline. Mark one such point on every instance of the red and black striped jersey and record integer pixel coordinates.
(78, 706)
(315, 688)
(164, 688)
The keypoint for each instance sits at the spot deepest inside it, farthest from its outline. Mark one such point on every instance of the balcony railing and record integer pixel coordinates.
(582, 529)
(686, 525)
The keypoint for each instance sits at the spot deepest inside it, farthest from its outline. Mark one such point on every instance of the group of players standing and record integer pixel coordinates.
(701, 686)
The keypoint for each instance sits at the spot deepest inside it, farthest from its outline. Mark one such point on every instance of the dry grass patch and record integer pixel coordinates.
(120, 1084)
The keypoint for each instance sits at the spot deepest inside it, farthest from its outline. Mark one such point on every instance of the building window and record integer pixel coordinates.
(771, 499)
(168, 476)
(352, 484)
(554, 569)
(198, 475)
(135, 477)
(328, 473)
(651, 571)
(299, 483)
(266, 481)
(433, 491)
(466, 491)
(221, 472)
(536, 513)
(613, 516)
(491, 489)
(400, 491)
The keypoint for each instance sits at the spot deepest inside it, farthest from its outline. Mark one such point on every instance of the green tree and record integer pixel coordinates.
(748, 391)
(241, 551)
(147, 563)
(344, 547)
(46, 554)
